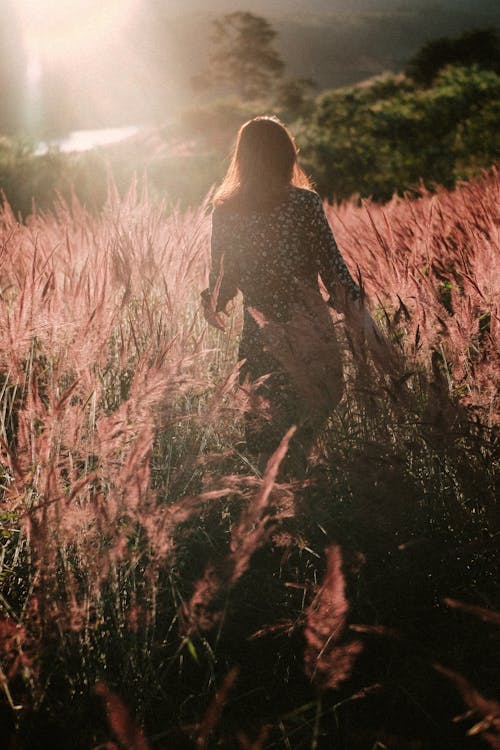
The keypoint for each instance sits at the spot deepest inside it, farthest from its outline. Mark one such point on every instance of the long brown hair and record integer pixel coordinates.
(264, 164)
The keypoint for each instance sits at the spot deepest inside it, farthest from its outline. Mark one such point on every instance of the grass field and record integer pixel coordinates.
(156, 590)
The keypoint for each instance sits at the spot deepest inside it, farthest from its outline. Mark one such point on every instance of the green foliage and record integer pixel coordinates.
(174, 173)
(293, 98)
(28, 178)
(34, 181)
(389, 136)
(480, 47)
(375, 139)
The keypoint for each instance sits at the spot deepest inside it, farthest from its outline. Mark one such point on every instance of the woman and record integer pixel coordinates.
(270, 240)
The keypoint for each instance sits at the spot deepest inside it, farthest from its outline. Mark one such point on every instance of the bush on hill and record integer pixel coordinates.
(371, 140)
(389, 136)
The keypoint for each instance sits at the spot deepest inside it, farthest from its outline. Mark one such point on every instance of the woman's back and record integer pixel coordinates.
(267, 252)
(271, 239)
(271, 254)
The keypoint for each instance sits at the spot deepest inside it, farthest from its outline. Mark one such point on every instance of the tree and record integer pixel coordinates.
(293, 97)
(243, 58)
(480, 47)
(390, 135)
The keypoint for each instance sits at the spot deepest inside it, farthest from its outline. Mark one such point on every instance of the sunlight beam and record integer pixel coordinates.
(65, 29)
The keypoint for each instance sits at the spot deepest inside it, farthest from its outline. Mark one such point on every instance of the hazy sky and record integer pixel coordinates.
(89, 63)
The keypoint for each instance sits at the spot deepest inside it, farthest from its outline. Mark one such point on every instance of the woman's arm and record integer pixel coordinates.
(345, 294)
(223, 280)
(331, 265)
(223, 276)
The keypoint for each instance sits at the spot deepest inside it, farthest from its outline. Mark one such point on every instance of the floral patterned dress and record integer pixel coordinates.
(273, 257)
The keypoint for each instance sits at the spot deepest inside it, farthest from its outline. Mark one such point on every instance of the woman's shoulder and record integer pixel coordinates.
(222, 214)
(305, 197)
(233, 209)
(305, 193)
(227, 212)
(219, 209)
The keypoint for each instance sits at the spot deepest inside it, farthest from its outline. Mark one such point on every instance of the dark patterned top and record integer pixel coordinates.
(269, 255)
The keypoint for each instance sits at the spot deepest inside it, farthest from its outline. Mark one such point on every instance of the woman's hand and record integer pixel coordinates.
(358, 317)
(210, 314)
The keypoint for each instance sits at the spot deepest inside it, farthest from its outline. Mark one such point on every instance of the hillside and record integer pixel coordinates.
(158, 593)
(336, 43)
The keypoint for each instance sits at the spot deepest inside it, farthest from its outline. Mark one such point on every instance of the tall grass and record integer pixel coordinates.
(151, 576)
(432, 264)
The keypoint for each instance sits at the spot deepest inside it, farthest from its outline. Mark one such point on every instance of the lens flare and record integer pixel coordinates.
(65, 29)
(77, 53)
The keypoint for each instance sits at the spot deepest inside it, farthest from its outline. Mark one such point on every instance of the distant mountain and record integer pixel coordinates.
(300, 7)
(335, 42)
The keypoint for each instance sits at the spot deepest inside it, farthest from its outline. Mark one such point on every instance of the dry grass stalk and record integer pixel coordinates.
(328, 658)
(485, 710)
(127, 733)
(432, 265)
(214, 712)
(267, 503)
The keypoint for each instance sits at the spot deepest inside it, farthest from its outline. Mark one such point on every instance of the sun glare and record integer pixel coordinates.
(82, 43)
(58, 31)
